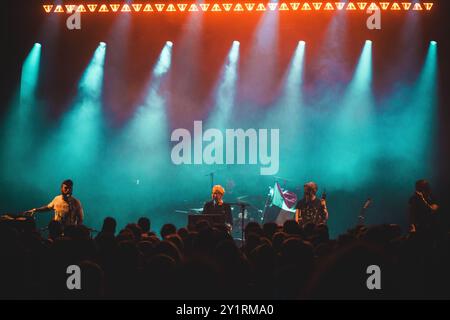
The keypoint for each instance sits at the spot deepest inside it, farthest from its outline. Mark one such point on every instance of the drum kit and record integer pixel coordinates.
(245, 209)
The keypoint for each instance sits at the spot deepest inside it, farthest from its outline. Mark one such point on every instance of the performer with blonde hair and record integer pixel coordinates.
(218, 206)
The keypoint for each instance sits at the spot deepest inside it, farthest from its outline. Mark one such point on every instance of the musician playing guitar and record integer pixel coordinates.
(311, 209)
(422, 208)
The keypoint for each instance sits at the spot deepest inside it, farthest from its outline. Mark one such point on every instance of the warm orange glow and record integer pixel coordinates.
(238, 8)
(81, 8)
(317, 5)
(204, 6)
(249, 6)
(328, 6)
(114, 7)
(148, 8)
(428, 6)
(260, 7)
(373, 7)
(126, 8)
(340, 5)
(384, 5)
(417, 6)
(59, 9)
(351, 7)
(306, 6)
(295, 5)
(272, 6)
(395, 7)
(362, 5)
(103, 8)
(48, 8)
(92, 7)
(137, 7)
(283, 7)
(406, 5)
(227, 6)
(182, 6)
(70, 8)
(217, 6)
(159, 6)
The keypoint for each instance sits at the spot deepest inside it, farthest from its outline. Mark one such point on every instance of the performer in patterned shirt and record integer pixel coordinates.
(311, 209)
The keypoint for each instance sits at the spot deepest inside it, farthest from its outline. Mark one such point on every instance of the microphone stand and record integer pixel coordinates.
(242, 205)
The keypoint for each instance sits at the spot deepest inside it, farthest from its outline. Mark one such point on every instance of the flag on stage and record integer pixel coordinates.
(285, 200)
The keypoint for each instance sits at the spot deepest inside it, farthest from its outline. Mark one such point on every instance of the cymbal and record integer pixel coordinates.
(251, 197)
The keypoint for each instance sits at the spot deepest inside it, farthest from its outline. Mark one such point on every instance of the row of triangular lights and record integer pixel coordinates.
(238, 7)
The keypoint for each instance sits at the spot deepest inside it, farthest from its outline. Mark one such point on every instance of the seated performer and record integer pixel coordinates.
(311, 209)
(217, 206)
(67, 209)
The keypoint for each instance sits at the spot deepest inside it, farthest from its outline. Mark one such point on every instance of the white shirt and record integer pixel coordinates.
(68, 212)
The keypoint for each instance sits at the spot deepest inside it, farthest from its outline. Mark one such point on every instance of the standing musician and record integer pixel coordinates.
(67, 209)
(311, 209)
(422, 207)
(217, 206)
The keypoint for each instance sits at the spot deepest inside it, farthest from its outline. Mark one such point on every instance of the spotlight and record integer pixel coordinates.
(37, 45)
(368, 41)
(102, 44)
(433, 43)
(302, 42)
(169, 43)
(236, 42)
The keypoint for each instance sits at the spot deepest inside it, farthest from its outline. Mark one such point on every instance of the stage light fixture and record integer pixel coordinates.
(317, 5)
(328, 6)
(272, 6)
(406, 5)
(216, 6)
(384, 5)
(306, 6)
(362, 5)
(340, 5)
(351, 7)
(283, 7)
(396, 7)
(250, 6)
(227, 6)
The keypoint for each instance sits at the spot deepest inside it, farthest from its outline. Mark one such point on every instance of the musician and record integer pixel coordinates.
(217, 206)
(67, 209)
(422, 207)
(311, 209)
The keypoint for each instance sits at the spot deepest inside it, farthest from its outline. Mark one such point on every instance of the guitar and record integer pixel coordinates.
(362, 213)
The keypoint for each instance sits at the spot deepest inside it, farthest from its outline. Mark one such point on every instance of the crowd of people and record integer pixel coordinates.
(203, 261)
